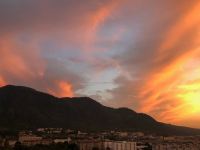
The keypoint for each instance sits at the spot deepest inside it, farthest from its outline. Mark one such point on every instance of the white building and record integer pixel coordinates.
(107, 145)
(12, 142)
(120, 145)
(29, 139)
(68, 140)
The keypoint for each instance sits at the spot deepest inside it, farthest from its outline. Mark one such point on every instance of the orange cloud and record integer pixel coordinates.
(165, 78)
(12, 62)
(168, 94)
(101, 14)
(22, 47)
(184, 24)
(64, 89)
(2, 81)
(97, 19)
(16, 61)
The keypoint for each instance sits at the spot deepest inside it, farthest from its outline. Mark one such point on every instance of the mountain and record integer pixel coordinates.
(26, 108)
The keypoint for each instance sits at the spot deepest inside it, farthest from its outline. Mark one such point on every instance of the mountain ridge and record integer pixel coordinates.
(24, 108)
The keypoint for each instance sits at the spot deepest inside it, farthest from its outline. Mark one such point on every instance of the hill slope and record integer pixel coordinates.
(24, 108)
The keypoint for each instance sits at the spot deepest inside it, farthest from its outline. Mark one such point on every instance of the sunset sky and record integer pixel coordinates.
(141, 54)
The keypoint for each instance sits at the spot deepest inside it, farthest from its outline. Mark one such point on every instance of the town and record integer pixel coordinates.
(106, 140)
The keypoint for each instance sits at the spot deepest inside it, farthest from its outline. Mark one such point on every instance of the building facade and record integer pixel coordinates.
(107, 145)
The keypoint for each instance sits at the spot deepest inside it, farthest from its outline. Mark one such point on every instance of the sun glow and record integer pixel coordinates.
(175, 90)
(191, 97)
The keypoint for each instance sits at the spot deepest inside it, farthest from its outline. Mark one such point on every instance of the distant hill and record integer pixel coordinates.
(26, 108)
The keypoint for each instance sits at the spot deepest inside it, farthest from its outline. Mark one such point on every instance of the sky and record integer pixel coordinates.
(140, 54)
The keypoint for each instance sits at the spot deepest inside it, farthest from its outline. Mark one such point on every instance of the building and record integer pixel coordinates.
(175, 146)
(120, 145)
(46, 141)
(29, 139)
(12, 142)
(50, 130)
(123, 134)
(107, 145)
(68, 140)
(90, 145)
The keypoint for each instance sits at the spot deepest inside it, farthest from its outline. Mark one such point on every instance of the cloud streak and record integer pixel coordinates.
(25, 26)
(158, 66)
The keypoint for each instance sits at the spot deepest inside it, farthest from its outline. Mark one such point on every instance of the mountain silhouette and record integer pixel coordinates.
(25, 108)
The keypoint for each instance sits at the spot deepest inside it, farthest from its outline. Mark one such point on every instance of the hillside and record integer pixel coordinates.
(26, 108)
